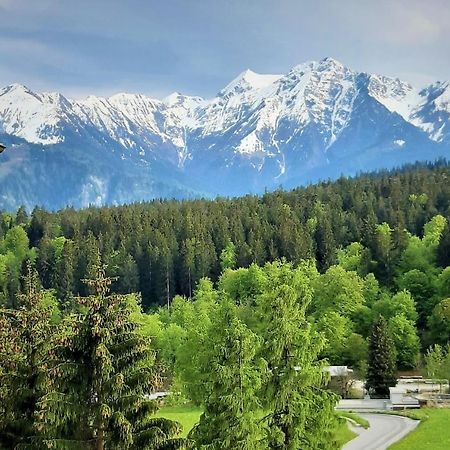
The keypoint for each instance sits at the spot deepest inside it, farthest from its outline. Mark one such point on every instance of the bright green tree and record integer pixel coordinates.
(439, 322)
(300, 410)
(400, 303)
(406, 341)
(190, 323)
(437, 362)
(233, 377)
(228, 256)
(339, 291)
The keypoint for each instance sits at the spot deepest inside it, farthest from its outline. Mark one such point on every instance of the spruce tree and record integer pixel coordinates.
(229, 420)
(325, 243)
(443, 250)
(101, 374)
(26, 333)
(382, 357)
(64, 281)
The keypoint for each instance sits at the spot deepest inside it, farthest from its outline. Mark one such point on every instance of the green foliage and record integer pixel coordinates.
(382, 358)
(301, 411)
(355, 257)
(400, 303)
(437, 362)
(422, 288)
(439, 322)
(390, 245)
(24, 343)
(443, 249)
(191, 323)
(101, 371)
(338, 290)
(406, 341)
(232, 377)
(228, 256)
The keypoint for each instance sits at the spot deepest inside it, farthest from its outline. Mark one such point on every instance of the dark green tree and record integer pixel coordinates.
(381, 364)
(443, 250)
(64, 280)
(326, 245)
(102, 371)
(30, 331)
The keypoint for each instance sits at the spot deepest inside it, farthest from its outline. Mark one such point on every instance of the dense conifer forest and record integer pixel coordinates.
(164, 248)
(220, 302)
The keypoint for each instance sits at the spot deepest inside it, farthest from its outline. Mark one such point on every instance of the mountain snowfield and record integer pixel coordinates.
(319, 120)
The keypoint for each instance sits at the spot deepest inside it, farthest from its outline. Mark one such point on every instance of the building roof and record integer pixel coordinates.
(338, 371)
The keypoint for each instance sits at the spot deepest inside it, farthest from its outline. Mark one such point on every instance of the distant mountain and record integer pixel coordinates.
(319, 120)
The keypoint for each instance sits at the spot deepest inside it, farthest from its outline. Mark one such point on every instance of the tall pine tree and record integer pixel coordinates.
(23, 352)
(382, 357)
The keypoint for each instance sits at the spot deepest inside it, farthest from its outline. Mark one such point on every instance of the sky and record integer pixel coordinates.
(155, 47)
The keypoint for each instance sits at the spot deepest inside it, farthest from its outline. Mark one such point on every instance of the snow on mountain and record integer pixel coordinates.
(433, 113)
(259, 130)
(248, 80)
(321, 92)
(134, 121)
(33, 117)
(396, 95)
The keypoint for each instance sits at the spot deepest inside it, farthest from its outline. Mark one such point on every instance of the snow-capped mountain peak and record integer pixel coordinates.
(248, 80)
(266, 128)
(31, 116)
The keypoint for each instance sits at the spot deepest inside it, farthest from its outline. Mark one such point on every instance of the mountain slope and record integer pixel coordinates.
(319, 120)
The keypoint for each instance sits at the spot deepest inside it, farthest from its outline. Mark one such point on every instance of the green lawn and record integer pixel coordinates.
(343, 433)
(433, 432)
(354, 417)
(188, 416)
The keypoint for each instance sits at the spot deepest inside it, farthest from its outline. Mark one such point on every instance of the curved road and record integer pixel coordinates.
(384, 431)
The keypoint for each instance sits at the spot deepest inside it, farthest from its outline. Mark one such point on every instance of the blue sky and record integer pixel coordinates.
(101, 47)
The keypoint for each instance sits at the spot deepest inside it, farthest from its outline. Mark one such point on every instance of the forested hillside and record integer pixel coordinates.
(240, 295)
(163, 248)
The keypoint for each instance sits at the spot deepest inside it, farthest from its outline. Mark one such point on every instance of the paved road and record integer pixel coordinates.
(384, 431)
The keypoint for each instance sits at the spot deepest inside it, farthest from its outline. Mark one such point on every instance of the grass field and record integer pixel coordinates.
(433, 433)
(344, 434)
(354, 417)
(188, 416)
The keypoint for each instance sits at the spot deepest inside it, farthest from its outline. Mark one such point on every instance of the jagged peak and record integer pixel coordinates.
(331, 62)
(16, 87)
(327, 63)
(248, 79)
(177, 98)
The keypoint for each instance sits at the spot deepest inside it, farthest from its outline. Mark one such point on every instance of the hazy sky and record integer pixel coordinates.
(81, 47)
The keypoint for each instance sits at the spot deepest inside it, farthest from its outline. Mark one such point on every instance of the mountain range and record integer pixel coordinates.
(318, 121)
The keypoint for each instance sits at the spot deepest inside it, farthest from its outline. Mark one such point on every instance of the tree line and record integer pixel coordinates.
(163, 248)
